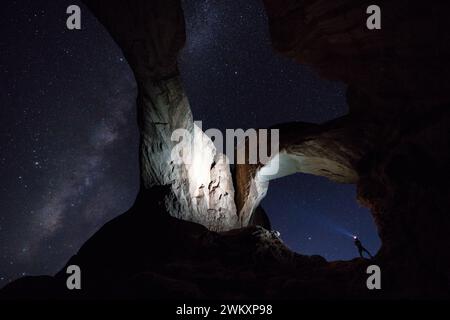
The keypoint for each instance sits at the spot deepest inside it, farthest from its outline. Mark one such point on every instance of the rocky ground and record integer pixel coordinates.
(145, 253)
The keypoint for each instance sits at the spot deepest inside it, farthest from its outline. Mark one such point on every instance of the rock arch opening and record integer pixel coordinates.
(317, 216)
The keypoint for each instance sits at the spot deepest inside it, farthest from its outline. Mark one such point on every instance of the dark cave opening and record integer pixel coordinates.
(317, 216)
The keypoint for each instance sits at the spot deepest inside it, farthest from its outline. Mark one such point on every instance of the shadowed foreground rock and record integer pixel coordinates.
(146, 253)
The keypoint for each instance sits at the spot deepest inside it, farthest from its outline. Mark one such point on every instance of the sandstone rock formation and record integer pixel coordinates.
(327, 150)
(394, 144)
(398, 123)
(151, 33)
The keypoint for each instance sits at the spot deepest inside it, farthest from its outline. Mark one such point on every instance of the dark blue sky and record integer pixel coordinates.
(317, 216)
(69, 142)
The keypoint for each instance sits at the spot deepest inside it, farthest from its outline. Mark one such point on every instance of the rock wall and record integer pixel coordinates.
(399, 101)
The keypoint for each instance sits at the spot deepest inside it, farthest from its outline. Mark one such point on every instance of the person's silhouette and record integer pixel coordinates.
(360, 247)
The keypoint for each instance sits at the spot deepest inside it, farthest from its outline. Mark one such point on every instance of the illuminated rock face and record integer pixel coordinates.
(151, 33)
(201, 182)
(326, 150)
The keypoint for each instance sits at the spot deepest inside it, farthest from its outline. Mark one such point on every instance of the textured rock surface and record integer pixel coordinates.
(402, 66)
(329, 150)
(399, 119)
(202, 187)
(151, 33)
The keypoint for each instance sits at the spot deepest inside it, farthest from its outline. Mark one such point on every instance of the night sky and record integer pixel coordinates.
(69, 139)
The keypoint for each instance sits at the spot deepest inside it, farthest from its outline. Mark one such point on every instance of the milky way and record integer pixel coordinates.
(70, 142)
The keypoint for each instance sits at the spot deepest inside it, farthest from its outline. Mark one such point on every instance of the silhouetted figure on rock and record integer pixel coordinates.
(360, 247)
(275, 233)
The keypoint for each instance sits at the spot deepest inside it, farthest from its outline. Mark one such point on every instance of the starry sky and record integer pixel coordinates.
(69, 138)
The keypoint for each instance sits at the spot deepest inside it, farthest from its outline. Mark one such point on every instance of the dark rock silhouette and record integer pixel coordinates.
(146, 253)
(399, 101)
